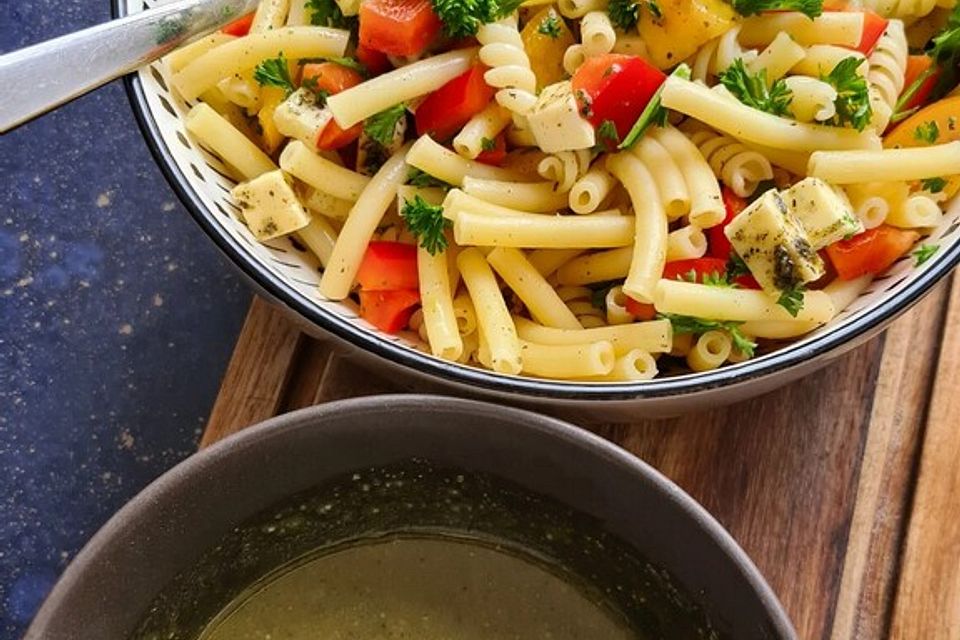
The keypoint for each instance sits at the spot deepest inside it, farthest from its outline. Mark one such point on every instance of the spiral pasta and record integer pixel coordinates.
(565, 168)
(907, 10)
(813, 100)
(888, 64)
(738, 166)
(510, 70)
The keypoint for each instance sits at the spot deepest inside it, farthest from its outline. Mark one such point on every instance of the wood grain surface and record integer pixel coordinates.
(818, 481)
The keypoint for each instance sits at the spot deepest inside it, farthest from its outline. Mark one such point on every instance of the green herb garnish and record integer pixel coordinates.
(423, 180)
(689, 324)
(624, 13)
(811, 8)
(853, 94)
(927, 132)
(924, 252)
(752, 90)
(327, 13)
(426, 222)
(792, 300)
(550, 26)
(462, 18)
(275, 72)
(933, 185)
(487, 144)
(653, 113)
(383, 126)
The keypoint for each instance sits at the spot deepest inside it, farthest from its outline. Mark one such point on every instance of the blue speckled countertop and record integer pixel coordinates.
(117, 318)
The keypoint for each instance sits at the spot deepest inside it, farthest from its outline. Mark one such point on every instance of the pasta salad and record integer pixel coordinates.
(589, 190)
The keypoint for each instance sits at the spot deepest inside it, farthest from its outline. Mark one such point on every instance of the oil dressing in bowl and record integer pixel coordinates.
(428, 588)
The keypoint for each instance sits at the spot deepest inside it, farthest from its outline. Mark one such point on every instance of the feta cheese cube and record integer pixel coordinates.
(301, 118)
(556, 123)
(824, 212)
(774, 245)
(270, 206)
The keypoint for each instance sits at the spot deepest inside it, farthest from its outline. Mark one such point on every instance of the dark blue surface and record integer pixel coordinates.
(117, 318)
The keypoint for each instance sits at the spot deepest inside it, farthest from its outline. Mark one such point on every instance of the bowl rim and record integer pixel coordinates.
(775, 363)
(205, 462)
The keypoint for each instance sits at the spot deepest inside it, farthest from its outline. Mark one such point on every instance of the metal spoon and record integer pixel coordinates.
(46, 75)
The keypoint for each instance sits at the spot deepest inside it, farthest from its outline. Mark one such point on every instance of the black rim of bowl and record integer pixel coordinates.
(782, 360)
(205, 463)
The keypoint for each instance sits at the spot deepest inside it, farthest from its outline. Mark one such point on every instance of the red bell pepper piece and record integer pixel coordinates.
(388, 311)
(719, 246)
(376, 62)
(617, 88)
(640, 310)
(873, 27)
(495, 155)
(448, 108)
(332, 78)
(240, 26)
(389, 266)
(872, 251)
(398, 27)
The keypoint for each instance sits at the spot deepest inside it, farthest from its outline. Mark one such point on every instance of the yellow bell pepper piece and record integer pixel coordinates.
(545, 38)
(682, 27)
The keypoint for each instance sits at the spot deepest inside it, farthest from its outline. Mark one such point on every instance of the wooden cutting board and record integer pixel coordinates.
(843, 487)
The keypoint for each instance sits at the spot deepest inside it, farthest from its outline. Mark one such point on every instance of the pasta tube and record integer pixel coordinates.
(917, 163)
(739, 305)
(247, 52)
(655, 336)
(537, 294)
(728, 114)
(439, 318)
(411, 81)
(567, 361)
(357, 231)
(498, 335)
(441, 163)
(650, 231)
(214, 132)
(322, 174)
(531, 230)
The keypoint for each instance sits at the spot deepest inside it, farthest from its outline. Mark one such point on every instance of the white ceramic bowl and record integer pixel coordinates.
(290, 276)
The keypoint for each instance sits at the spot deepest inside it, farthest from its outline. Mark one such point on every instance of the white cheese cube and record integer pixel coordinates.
(270, 206)
(824, 211)
(774, 245)
(556, 123)
(301, 118)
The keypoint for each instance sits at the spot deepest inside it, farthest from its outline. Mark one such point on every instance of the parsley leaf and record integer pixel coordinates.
(607, 136)
(812, 8)
(654, 9)
(274, 72)
(382, 126)
(736, 267)
(924, 252)
(550, 26)
(689, 324)
(927, 132)
(718, 279)
(462, 18)
(752, 90)
(853, 95)
(624, 13)
(653, 113)
(418, 178)
(933, 185)
(487, 144)
(792, 300)
(427, 223)
(321, 95)
(327, 13)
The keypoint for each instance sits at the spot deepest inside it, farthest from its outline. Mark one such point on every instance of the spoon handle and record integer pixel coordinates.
(46, 75)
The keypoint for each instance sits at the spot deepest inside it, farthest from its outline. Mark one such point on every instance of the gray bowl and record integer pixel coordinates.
(170, 528)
